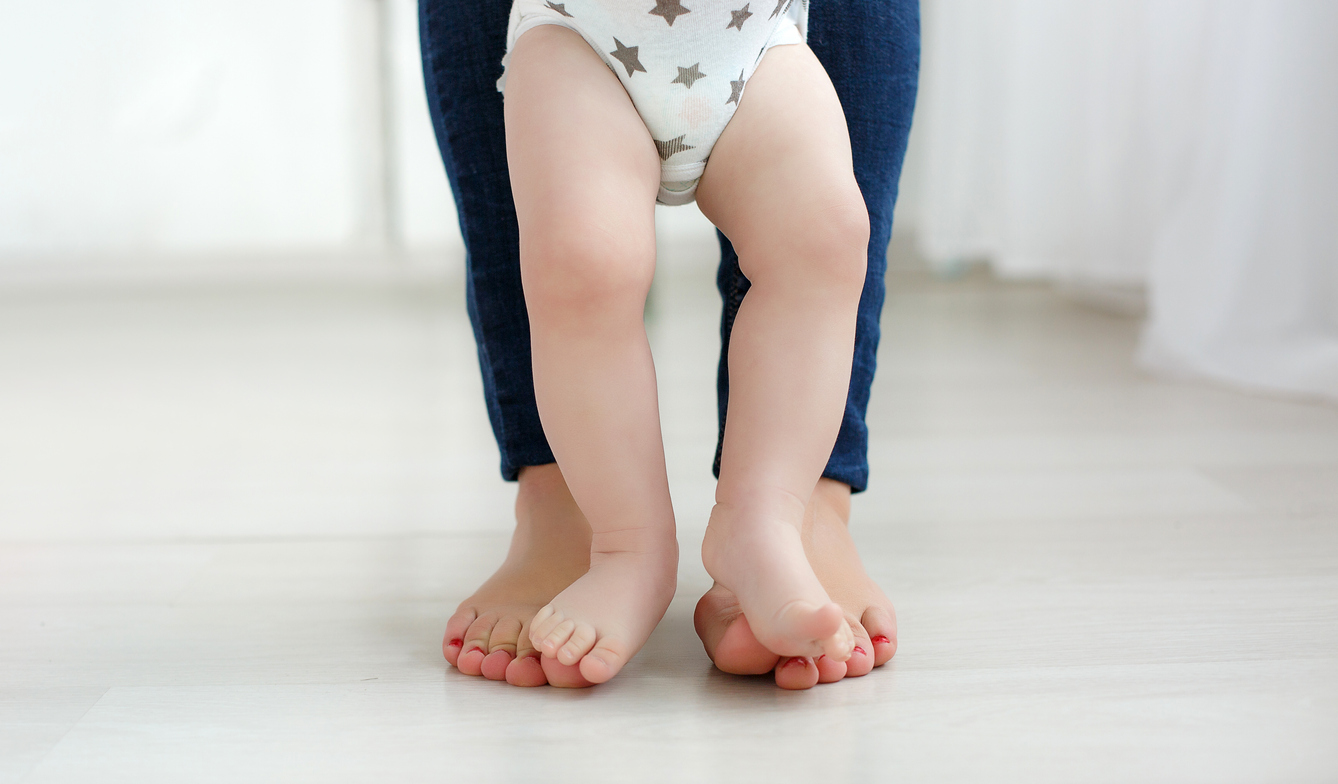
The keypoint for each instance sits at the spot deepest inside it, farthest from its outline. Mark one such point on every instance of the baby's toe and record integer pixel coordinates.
(839, 646)
(544, 622)
(814, 624)
(581, 641)
(555, 639)
(604, 662)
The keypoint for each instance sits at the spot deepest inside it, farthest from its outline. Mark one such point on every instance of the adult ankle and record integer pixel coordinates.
(831, 498)
(545, 508)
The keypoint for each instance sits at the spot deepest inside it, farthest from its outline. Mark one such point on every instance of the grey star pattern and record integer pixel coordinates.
(740, 16)
(735, 90)
(561, 8)
(627, 56)
(686, 76)
(670, 10)
(674, 145)
(781, 5)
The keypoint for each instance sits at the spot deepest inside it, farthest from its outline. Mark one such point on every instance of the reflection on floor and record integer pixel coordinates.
(233, 522)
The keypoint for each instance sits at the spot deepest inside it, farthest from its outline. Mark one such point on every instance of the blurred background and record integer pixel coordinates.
(231, 277)
(246, 469)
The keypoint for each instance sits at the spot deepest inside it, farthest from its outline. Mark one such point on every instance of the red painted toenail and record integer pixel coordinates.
(798, 660)
(881, 639)
(860, 651)
(456, 643)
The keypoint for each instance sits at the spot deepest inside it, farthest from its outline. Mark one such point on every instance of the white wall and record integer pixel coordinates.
(187, 128)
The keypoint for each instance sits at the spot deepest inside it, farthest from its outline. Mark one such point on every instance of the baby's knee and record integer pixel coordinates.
(839, 239)
(821, 248)
(585, 269)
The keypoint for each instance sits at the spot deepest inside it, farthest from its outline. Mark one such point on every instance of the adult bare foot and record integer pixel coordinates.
(729, 639)
(489, 633)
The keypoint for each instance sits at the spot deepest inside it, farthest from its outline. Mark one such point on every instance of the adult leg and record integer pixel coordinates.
(870, 51)
(584, 174)
(462, 47)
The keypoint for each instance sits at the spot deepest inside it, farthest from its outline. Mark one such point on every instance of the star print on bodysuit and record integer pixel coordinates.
(781, 5)
(669, 9)
(739, 17)
(561, 8)
(686, 76)
(735, 89)
(627, 56)
(671, 147)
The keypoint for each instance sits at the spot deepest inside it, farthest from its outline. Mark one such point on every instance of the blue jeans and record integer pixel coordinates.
(871, 50)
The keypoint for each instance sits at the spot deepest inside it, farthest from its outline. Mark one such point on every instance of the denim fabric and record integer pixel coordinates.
(871, 50)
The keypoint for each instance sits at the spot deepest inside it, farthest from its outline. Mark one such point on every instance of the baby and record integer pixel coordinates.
(611, 106)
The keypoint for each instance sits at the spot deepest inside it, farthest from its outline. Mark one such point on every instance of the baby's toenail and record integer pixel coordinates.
(860, 651)
(881, 639)
(798, 660)
(455, 643)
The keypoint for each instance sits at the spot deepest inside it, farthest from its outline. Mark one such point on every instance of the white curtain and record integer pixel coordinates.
(1191, 145)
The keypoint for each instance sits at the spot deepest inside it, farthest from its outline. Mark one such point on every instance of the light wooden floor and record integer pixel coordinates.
(233, 522)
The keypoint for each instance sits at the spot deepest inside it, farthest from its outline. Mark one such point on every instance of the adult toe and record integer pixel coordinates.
(475, 648)
(727, 637)
(829, 670)
(740, 653)
(566, 676)
(505, 636)
(796, 673)
(881, 625)
(456, 627)
(525, 669)
(495, 665)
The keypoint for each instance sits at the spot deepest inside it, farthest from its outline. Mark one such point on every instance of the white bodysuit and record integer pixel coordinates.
(684, 66)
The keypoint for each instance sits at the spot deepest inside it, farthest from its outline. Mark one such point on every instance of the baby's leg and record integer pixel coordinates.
(584, 174)
(780, 185)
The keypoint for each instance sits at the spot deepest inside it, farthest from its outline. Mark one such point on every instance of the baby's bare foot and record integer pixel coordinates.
(758, 556)
(729, 639)
(600, 622)
(489, 633)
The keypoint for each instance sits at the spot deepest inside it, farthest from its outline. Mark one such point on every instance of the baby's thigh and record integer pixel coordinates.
(576, 148)
(780, 179)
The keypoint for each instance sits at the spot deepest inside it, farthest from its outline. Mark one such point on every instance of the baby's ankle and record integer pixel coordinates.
(760, 507)
(644, 545)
